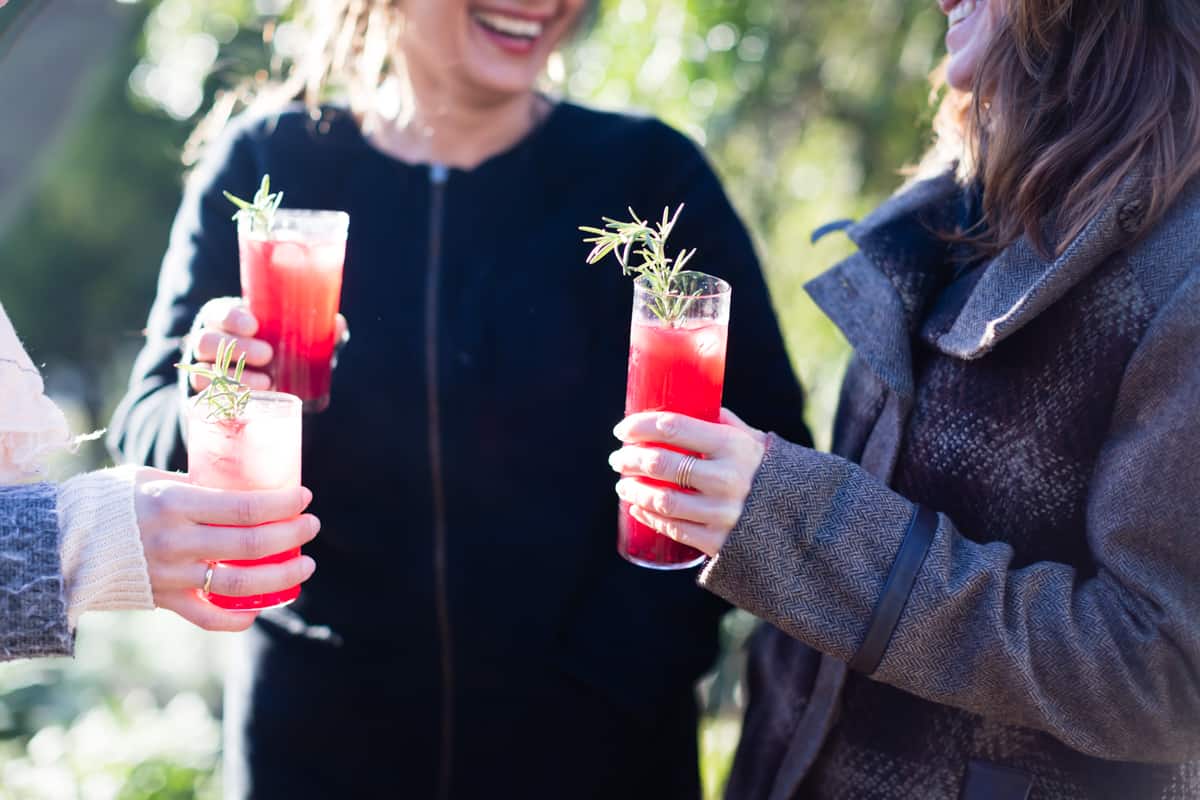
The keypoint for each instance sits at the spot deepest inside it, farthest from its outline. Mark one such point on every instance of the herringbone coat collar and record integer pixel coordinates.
(878, 296)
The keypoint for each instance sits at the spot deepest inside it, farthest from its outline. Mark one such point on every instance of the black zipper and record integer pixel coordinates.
(438, 175)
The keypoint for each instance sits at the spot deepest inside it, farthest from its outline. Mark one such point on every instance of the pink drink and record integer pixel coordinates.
(677, 367)
(259, 450)
(292, 281)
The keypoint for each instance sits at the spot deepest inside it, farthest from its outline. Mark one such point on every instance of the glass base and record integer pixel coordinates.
(665, 567)
(316, 405)
(257, 609)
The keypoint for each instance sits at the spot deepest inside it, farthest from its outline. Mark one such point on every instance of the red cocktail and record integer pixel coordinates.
(292, 281)
(260, 449)
(676, 363)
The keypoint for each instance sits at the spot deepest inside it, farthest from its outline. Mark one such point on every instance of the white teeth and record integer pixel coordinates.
(961, 11)
(512, 26)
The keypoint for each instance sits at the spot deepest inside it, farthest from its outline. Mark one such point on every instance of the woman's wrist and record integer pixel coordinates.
(104, 567)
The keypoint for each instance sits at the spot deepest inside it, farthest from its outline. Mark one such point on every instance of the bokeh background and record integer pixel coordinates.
(808, 108)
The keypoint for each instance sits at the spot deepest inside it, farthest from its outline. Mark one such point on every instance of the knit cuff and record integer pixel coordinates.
(813, 548)
(104, 567)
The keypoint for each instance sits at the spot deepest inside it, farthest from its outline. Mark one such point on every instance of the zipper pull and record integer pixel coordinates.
(438, 173)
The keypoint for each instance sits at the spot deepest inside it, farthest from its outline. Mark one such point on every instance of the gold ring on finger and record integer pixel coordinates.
(208, 576)
(683, 473)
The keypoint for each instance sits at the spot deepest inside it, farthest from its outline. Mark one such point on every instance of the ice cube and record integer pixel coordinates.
(287, 255)
(328, 256)
(272, 452)
(708, 344)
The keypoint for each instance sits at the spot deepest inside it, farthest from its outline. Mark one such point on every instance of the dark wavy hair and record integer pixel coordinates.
(1073, 98)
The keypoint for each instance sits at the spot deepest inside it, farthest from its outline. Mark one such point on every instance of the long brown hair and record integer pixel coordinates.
(349, 53)
(1073, 98)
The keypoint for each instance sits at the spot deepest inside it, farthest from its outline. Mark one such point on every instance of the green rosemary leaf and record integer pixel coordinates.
(226, 397)
(237, 201)
(641, 249)
(600, 251)
(260, 212)
(264, 190)
(193, 369)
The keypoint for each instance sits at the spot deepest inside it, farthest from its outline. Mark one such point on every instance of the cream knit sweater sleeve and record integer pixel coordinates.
(104, 567)
(98, 542)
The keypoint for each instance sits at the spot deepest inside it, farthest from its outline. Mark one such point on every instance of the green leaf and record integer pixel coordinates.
(648, 243)
(261, 211)
(226, 397)
(237, 201)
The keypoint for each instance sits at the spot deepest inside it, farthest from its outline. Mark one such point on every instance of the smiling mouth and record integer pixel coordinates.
(521, 30)
(961, 11)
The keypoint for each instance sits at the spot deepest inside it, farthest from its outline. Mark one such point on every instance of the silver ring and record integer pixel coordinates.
(208, 573)
(683, 474)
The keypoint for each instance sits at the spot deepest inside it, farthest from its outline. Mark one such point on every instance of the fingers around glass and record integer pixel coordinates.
(258, 381)
(343, 331)
(205, 344)
(677, 430)
(681, 469)
(230, 543)
(235, 581)
(229, 314)
(190, 605)
(242, 509)
(688, 533)
(674, 504)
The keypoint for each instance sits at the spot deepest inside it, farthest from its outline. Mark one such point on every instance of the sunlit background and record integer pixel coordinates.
(808, 108)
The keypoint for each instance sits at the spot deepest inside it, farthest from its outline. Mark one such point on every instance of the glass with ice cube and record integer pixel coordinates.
(258, 449)
(674, 365)
(292, 282)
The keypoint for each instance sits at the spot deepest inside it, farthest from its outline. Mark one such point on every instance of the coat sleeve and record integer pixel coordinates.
(33, 603)
(1107, 663)
(760, 383)
(201, 263)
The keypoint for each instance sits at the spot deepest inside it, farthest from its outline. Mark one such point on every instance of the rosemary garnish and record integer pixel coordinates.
(648, 242)
(226, 395)
(261, 211)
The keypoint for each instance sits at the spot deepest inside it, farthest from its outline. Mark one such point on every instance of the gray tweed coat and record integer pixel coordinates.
(33, 605)
(1007, 541)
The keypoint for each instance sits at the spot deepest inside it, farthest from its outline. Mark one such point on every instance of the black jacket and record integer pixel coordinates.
(469, 610)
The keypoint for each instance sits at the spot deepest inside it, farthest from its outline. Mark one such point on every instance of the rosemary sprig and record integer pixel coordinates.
(649, 243)
(226, 396)
(261, 210)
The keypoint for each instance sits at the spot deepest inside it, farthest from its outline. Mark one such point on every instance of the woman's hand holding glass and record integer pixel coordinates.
(185, 528)
(230, 318)
(719, 482)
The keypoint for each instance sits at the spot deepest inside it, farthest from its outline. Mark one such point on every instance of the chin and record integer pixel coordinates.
(960, 73)
(502, 81)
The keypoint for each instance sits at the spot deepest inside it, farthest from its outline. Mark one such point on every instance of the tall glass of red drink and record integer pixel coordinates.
(292, 281)
(258, 449)
(676, 363)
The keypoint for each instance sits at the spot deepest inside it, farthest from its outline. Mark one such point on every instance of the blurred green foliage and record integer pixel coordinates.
(808, 109)
(133, 716)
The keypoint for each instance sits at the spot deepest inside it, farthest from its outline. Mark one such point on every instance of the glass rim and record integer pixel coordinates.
(305, 220)
(723, 289)
(271, 396)
(312, 213)
(259, 397)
